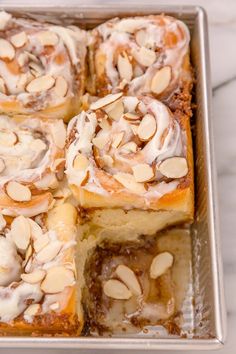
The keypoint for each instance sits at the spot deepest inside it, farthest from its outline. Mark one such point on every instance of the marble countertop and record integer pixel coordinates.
(222, 20)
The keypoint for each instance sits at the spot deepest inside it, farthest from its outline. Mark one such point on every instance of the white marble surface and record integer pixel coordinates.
(222, 19)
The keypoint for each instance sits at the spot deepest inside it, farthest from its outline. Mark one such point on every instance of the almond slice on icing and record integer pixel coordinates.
(147, 127)
(28, 260)
(19, 39)
(161, 80)
(2, 165)
(36, 69)
(117, 139)
(61, 86)
(144, 56)
(141, 37)
(143, 172)
(41, 242)
(129, 279)
(104, 124)
(129, 147)
(57, 279)
(128, 181)
(2, 222)
(47, 38)
(124, 67)
(160, 264)
(55, 306)
(59, 134)
(80, 162)
(7, 50)
(108, 160)
(41, 83)
(20, 231)
(49, 252)
(2, 86)
(22, 59)
(115, 110)
(105, 101)
(35, 277)
(131, 116)
(134, 128)
(38, 145)
(8, 138)
(174, 167)
(36, 230)
(100, 141)
(32, 310)
(18, 192)
(116, 290)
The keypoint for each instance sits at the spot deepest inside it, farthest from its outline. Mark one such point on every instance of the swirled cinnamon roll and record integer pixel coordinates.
(134, 154)
(143, 55)
(133, 284)
(31, 163)
(42, 68)
(37, 277)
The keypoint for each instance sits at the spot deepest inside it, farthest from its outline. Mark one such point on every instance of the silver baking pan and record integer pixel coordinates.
(203, 309)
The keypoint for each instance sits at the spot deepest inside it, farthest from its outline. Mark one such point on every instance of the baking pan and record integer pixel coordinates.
(203, 309)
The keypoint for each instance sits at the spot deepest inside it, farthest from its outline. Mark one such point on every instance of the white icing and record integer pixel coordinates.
(10, 262)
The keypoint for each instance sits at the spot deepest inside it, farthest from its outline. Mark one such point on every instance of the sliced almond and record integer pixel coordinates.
(143, 172)
(32, 57)
(61, 86)
(35, 277)
(8, 138)
(19, 39)
(36, 230)
(59, 134)
(124, 67)
(117, 139)
(22, 59)
(128, 181)
(80, 162)
(104, 124)
(115, 110)
(147, 127)
(108, 160)
(32, 310)
(131, 117)
(47, 38)
(2, 165)
(7, 50)
(129, 278)
(144, 56)
(22, 81)
(18, 192)
(49, 252)
(3, 222)
(116, 290)
(41, 242)
(105, 101)
(20, 232)
(26, 262)
(141, 37)
(2, 86)
(160, 264)
(174, 167)
(138, 71)
(57, 279)
(36, 69)
(129, 147)
(39, 84)
(161, 80)
(100, 141)
(134, 129)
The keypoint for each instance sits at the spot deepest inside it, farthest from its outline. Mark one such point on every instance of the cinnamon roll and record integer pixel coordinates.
(133, 154)
(37, 279)
(132, 285)
(42, 68)
(31, 163)
(142, 55)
